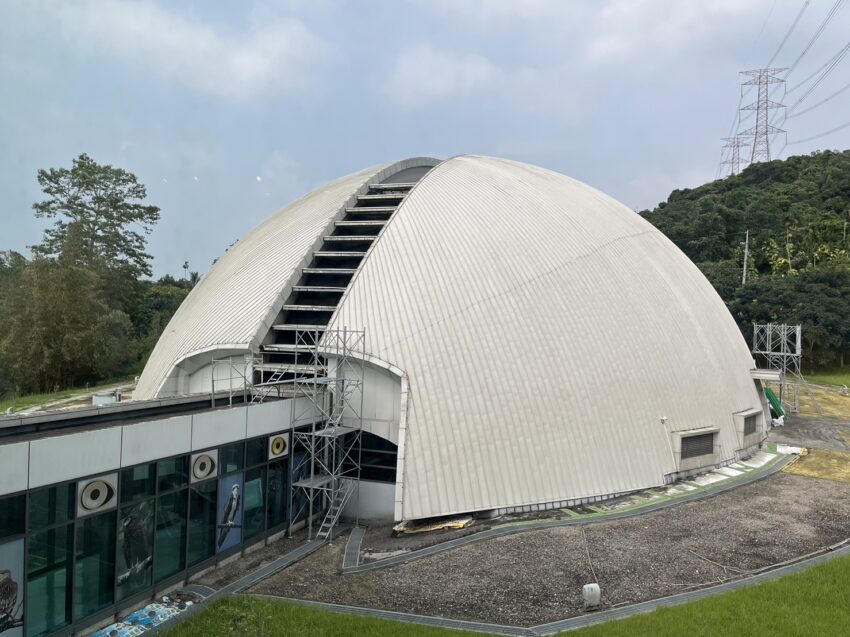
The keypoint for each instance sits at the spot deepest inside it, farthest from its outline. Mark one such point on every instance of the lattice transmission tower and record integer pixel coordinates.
(733, 158)
(762, 130)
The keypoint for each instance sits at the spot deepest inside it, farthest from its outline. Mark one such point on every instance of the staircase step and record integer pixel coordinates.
(318, 288)
(333, 238)
(309, 308)
(356, 224)
(381, 197)
(328, 270)
(286, 347)
(399, 186)
(371, 210)
(339, 254)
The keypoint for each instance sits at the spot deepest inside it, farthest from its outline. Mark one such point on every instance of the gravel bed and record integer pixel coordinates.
(378, 542)
(536, 576)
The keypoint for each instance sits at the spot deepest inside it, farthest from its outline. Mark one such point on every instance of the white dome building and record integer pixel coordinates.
(530, 341)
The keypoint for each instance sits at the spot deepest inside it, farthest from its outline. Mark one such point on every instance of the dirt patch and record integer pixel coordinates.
(232, 571)
(536, 576)
(832, 434)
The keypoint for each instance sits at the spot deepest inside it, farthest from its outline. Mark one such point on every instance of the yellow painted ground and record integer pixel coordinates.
(818, 463)
(831, 401)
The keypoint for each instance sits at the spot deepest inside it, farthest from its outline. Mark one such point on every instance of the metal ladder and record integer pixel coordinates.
(337, 505)
(266, 388)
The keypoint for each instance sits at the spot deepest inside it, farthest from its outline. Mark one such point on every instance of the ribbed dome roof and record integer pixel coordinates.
(544, 329)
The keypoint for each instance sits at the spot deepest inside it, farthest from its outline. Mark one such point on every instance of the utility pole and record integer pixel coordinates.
(746, 254)
(761, 132)
(733, 159)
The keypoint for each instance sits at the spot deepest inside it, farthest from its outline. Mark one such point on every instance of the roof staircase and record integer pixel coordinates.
(323, 282)
(293, 364)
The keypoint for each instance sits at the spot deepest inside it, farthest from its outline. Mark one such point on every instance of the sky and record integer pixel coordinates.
(227, 111)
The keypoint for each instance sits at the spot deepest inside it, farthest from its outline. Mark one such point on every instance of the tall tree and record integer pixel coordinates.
(100, 221)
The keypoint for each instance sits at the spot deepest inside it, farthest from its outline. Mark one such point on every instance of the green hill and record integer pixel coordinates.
(797, 213)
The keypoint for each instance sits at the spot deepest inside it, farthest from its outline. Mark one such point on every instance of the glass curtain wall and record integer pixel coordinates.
(74, 567)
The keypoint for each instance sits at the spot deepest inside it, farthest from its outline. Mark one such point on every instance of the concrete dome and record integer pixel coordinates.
(544, 344)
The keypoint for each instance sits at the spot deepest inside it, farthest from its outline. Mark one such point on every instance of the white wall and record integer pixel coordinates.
(63, 457)
(375, 502)
(381, 402)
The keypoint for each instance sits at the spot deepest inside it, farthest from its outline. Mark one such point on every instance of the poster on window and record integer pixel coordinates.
(12, 589)
(229, 519)
(135, 548)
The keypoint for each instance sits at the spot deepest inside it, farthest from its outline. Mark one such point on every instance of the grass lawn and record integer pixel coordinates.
(815, 602)
(830, 378)
(257, 617)
(31, 400)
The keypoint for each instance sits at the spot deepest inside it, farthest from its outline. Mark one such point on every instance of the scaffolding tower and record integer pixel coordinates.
(327, 418)
(239, 369)
(779, 346)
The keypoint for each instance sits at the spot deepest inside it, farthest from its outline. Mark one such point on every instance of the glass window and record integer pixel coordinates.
(49, 580)
(255, 451)
(173, 473)
(138, 483)
(202, 503)
(135, 548)
(94, 570)
(12, 515)
(253, 509)
(278, 496)
(230, 457)
(52, 505)
(170, 539)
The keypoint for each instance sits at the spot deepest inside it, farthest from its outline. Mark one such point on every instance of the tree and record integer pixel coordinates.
(798, 269)
(100, 222)
(61, 330)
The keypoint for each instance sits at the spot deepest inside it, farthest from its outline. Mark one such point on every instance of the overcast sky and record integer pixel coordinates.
(228, 110)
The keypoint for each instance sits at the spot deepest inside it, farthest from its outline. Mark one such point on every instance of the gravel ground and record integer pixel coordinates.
(832, 434)
(536, 577)
(224, 575)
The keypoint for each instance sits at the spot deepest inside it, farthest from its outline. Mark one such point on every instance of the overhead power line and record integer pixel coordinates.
(821, 103)
(817, 34)
(821, 68)
(819, 135)
(790, 31)
(835, 62)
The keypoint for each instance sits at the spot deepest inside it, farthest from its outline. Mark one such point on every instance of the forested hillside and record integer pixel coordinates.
(797, 213)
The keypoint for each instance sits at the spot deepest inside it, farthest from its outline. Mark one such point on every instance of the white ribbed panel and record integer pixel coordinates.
(230, 305)
(545, 330)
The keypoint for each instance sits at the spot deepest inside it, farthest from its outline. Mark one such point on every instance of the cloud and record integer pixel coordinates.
(278, 55)
(423, 74)
(629, 30)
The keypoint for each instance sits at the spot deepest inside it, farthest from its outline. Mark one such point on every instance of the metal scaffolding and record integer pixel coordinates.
(239, 369)
(779, 346)
(327, 417)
